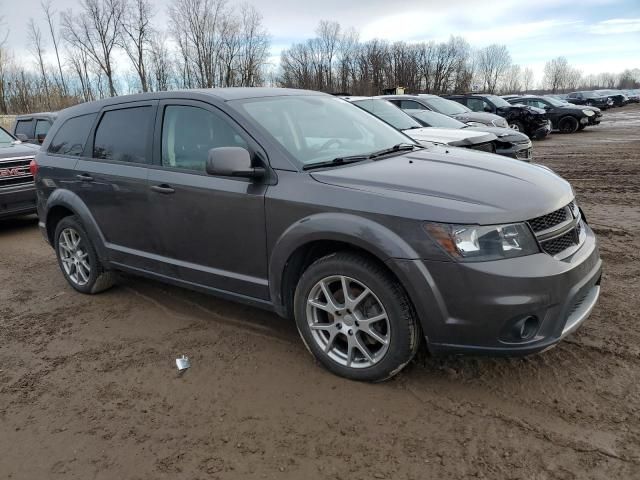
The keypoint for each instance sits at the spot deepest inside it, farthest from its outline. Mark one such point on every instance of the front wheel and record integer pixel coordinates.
(517, 126)
(355, 318)
(568, 125)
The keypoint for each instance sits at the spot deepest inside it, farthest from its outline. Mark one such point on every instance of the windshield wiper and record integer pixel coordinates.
(400, 147)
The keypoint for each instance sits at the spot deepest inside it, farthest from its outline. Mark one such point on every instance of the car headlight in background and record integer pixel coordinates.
(588, 113)
(482, 243)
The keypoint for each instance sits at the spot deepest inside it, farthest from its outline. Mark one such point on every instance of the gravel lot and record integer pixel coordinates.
(88, 386)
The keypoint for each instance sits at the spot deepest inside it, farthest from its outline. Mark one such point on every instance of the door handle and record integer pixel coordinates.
(85, 177)
(164, 188)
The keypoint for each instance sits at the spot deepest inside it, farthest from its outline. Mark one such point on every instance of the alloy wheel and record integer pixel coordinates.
(74, 257)
(514, 126)
(348, 321)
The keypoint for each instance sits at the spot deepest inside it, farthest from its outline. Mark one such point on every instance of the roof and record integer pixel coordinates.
(35, 115)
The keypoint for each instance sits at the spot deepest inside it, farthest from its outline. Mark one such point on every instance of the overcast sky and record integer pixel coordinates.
(595, 35)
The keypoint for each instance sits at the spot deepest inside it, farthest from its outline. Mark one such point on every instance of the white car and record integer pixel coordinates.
(398, 119)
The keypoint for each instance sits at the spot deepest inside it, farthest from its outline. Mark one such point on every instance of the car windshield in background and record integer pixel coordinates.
(555, 102)
(388, 112)
(5, 137)
(448, 107)
(498, 101)
(316, 129)
(435, 119)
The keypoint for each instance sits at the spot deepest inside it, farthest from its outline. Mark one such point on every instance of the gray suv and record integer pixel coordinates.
(308, 206)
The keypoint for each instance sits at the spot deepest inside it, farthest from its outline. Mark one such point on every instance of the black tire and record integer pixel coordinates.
(517, 126)
(98, 278)
(403, 332)
(582, 127)
(568, 124)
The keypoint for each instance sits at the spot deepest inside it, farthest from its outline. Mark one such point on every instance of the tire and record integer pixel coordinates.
(582, 127)
(517, 126)
(350, 342)
(77, 258)
(568, 124)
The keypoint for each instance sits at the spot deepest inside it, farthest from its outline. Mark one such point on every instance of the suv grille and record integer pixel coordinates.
(484, 147)
(15, 171)
(545, 225)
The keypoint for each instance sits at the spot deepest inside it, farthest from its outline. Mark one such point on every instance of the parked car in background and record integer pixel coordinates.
(632, 95)
(304, 204)
(508, 142)
(590, 98)
(395, 117)
(618, 96)
(565, 118)
(33, 128)
(593, 120)
(445, 107)
(529, 120)
(17, 191)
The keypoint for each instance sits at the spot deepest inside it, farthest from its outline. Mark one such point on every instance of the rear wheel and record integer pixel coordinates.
(568, 125)
(355, 318)
(77, 258)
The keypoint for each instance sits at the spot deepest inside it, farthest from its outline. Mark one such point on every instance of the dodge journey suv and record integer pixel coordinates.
(306, 205)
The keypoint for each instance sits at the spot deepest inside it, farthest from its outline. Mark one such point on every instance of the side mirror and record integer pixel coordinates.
(40, 138)
(487, 109)
(22, 137)
(232, 162)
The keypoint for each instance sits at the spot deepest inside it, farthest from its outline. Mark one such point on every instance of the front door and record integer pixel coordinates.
(210, 230)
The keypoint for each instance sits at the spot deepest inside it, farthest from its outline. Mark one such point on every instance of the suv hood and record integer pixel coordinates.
(449, 136)
(454, 186)
(8, 150)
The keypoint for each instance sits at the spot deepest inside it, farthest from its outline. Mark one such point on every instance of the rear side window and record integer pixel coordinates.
(411, 105)
(122, 135)
(72, 136)
(24, 127)
(42, 128)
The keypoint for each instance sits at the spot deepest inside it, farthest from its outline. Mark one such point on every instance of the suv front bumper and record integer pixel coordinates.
(473, 307)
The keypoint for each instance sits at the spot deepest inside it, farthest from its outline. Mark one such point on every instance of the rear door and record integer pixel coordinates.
(111, 179)
(210, 230)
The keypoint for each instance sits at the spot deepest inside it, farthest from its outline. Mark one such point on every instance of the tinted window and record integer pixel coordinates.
(188, 133)
(122, 135)
(446, 106)
(72, 136)
(410, 104)
(42, 127)
(24, 127)
(477, 104)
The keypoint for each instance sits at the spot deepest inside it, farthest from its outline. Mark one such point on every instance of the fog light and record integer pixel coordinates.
(526, 328)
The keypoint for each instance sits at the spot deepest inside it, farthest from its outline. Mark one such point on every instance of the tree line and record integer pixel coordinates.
(212, 43)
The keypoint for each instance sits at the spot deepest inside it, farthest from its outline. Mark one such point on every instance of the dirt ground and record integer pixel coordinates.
(89, 390)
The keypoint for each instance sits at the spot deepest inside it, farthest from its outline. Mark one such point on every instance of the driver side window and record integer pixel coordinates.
(188, 133)
(477, 104)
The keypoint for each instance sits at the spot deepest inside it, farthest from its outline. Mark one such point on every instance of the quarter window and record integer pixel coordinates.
(72, 136)
(42, 127)
(411, 105)
(122, 135)
(188, 133)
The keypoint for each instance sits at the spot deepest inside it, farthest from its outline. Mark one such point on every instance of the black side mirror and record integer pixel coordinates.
(40, 137)
(22, 137)
(487, 109)
(232, 162)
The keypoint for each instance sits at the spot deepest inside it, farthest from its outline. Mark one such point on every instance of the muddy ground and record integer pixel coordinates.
(88, 386)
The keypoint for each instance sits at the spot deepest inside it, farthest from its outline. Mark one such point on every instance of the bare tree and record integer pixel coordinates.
(95, 30)
(527, 79)
(254, 46)
(492, 63)
(512, 80)
(556, 73)
(37, 50)
(160, 63)
(135, 36)
(49, 13)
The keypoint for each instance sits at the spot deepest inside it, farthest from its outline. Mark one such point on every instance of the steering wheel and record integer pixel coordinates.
(329, 142)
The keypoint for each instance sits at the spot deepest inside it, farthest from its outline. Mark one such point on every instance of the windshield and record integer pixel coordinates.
(555, 102)
(314, 128)
(498, 101)
(448, 107)
(5, 137)
(388, 112)
(435, 119)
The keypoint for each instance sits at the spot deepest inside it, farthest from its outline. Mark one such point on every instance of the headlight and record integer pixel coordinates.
(500, 123)
(588, 113)
(474, 243)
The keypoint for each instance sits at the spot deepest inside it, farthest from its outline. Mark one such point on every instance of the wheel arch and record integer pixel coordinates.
(62, 203)
(318, 235)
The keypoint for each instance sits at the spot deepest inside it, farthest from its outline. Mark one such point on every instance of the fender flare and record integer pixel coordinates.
(360, 232)
(71, 201)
